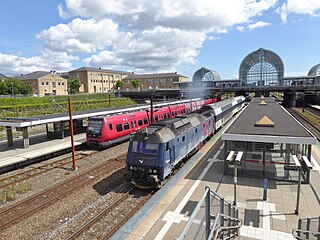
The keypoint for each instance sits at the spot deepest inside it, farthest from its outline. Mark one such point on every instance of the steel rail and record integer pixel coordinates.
(27, 207)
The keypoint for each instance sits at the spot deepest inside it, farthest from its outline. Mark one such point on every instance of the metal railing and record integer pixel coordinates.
(213, 217)
(308, 228)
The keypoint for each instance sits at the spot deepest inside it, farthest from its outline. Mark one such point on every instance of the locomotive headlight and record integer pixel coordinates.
(150, 171)
(135, 168)
(131, 167)
(154, 171)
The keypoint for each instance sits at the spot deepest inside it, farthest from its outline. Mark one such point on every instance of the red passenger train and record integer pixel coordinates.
(104, 131)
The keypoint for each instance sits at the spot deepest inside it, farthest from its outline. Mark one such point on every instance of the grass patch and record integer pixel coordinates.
(10, 193)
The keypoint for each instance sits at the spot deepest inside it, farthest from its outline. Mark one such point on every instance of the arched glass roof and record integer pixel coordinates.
(261, 67)
(315, 70)
(205, 77)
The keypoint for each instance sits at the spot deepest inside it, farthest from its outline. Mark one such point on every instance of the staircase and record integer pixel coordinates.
(213, 218)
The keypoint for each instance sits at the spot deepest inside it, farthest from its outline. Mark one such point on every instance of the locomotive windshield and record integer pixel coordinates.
(145, 148)
(94, 126)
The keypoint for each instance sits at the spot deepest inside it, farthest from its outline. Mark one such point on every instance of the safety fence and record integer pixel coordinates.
(213, 218)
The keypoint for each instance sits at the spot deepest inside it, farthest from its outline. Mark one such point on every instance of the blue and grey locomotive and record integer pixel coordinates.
(156, 151)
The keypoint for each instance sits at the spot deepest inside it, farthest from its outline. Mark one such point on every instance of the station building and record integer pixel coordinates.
(154, 81)
(45, 83)
(97, 80)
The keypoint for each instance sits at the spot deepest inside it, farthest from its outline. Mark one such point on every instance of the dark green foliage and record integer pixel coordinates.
(74, 85)
(15, 86)
(119, 84)
(135, 83)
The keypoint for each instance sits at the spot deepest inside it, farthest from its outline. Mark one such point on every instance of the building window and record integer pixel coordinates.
(47, 83)
(53, 84)
(42, 83)
(62, 83)
(59, 83)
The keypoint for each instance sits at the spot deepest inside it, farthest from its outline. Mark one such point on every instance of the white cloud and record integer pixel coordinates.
(310, 7)
(257, 25)
(82, 36)
(149, 35)
(15, 65)
(143, 35)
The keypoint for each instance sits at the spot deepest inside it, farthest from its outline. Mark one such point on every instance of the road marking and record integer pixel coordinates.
(170, 221)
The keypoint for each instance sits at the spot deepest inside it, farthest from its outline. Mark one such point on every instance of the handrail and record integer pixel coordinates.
(194, 214)
(216, 229)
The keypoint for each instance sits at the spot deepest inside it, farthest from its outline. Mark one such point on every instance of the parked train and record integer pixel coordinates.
(156, 151)
(104, 131)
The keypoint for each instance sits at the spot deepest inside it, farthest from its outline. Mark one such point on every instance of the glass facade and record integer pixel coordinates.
(261, 68)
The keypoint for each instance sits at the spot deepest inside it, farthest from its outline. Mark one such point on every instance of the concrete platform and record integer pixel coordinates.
(165, 215)
(41, 147)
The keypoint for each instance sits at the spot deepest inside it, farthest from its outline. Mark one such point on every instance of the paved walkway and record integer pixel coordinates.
(170, 208)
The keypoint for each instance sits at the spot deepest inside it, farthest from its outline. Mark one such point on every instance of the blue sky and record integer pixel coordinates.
(156, 36)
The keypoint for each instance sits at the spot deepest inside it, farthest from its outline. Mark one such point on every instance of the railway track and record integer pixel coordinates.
(19, 177)
(29, 206)
(104, 224)
(306, 122)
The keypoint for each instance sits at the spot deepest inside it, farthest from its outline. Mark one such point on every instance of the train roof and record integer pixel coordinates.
(222, 106)
(168, 129)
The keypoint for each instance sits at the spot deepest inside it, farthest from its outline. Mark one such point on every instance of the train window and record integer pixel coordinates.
(145, 121)
(168, 115)
(157, 118)
(172, 114)
(110, 127)
(203, 125)
(183, 138)
(177, 139)
(196, 130)
(140, 123)
(119, 127)
(165, 116)
(135, 123)
(126, 126)
(132, 125)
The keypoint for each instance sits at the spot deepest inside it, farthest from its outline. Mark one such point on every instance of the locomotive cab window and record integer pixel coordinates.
(119, 127)
(140, 123)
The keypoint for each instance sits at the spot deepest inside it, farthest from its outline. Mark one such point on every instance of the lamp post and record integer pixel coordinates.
(12, 89)
(102, 82)
(109, 81)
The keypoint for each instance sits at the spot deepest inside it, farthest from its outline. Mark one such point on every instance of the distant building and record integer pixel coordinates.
(3, 77)
(154, 81)
(97, 80)
(45, 83)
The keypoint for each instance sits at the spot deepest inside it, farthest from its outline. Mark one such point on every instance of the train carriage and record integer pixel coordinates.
(156, 151)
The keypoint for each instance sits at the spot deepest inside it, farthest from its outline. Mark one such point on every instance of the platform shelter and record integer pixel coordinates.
(269, 138)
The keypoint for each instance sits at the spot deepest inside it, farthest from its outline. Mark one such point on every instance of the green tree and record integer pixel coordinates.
(74, 85)
(119, 84)
(135, 83)
(14, 86)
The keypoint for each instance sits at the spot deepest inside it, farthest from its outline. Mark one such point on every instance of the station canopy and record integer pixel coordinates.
(260, 68)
